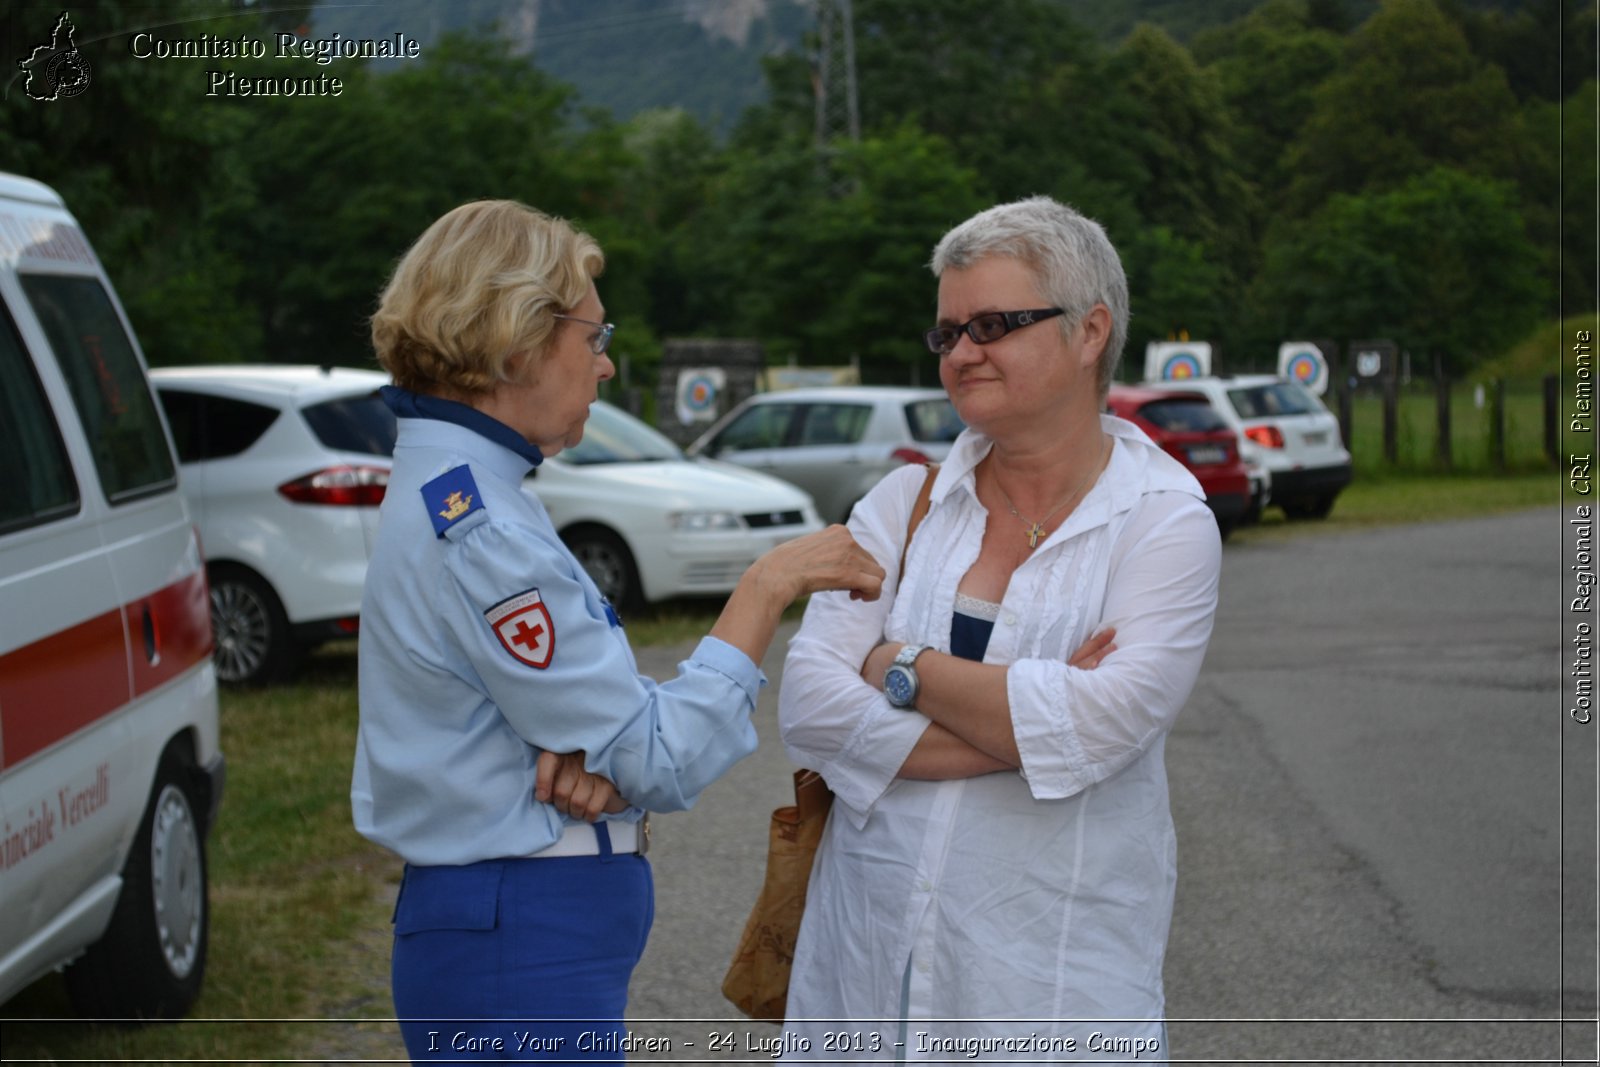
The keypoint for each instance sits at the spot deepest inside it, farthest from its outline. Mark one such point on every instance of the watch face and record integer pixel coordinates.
(899, 685)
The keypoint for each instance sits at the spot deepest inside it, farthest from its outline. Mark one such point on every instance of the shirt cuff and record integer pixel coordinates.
(1053, 761)
(726, 660)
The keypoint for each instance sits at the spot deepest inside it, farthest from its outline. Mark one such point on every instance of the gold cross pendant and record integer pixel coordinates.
(1035, 532)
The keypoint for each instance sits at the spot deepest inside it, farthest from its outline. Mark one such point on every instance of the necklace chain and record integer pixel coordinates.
(1035, 530)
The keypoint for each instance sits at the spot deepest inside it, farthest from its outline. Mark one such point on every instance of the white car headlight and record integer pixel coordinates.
(704, 521)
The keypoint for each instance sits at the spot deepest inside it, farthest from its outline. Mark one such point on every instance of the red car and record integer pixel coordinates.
(1188, 428)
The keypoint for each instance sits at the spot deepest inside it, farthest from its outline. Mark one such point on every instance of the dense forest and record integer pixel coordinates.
(1423, 170)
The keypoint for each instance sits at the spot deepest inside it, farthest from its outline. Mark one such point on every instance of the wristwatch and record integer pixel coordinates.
(900, 681)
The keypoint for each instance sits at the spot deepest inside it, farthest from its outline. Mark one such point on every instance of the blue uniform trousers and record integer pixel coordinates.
(519, 959)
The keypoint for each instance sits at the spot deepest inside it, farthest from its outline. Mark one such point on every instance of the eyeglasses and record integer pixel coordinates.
(985, 328)
(600, 341)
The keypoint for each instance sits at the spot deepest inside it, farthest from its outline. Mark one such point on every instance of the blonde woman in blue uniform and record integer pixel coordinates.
(508, 746)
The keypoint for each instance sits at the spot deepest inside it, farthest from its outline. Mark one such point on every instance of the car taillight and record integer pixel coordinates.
(1265, 436)
(361, 487)
(910, 455)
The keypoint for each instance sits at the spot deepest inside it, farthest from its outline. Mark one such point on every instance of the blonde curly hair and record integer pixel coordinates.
(482, 284)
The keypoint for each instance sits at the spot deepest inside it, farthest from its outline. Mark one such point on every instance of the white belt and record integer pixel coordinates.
(579, 839)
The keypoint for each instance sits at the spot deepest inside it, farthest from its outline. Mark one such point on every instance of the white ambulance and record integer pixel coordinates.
(110, 769)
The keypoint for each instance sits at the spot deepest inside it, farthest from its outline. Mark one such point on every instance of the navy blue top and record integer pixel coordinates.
(969, 636)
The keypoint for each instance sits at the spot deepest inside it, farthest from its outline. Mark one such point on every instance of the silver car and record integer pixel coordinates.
(837, 442)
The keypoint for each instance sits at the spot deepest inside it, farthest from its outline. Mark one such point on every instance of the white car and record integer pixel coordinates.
(1286, 434)
(284, 468)
(835, 442)
(649, 524)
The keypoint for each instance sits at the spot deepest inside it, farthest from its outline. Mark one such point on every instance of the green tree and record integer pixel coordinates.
(970, 77)
(1174, 287)
(1411, 96)
(1180, 137)
(342, 187)
(1545, 47)
(145, 166)
(664, 181)
(1268, 66)
(827, 278)
(1441, 264)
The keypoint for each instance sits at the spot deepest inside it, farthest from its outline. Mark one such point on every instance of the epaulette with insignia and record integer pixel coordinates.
(452, 497)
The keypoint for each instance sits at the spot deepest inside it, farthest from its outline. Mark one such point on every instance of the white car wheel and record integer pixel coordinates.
(607, 560)
(253, 644)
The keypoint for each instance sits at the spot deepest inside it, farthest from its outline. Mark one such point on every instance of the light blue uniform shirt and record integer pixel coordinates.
(484, 642)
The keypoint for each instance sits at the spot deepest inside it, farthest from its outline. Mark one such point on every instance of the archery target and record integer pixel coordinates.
(1177, 361)
(698, 389)
(1303, 362)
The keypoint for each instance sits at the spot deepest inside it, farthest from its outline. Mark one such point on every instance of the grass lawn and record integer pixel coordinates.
(299, 900)
(1417, 430)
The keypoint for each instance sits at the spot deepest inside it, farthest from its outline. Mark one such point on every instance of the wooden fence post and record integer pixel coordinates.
(1497, 424)
(1442, 402)
(1442, 394)
(1391, 419)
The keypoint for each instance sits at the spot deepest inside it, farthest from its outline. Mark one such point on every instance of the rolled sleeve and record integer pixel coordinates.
(834, 722)
(718, 655)
(831, 720)
(1075, 727)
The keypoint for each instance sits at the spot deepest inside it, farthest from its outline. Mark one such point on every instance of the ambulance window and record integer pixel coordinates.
(107, 383)
(34, 471)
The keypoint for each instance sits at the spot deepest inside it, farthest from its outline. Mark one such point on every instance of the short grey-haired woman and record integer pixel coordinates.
(1001, 851)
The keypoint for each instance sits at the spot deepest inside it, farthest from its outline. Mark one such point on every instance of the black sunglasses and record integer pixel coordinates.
(990, 326)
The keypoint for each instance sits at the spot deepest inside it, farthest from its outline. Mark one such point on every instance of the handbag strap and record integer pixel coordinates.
(919, 510)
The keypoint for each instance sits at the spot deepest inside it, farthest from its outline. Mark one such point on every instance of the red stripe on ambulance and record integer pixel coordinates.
(58, 685)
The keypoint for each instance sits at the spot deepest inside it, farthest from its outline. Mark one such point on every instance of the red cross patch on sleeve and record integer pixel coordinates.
(525, 629)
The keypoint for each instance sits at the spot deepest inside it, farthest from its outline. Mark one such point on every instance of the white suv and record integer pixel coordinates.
(1286, 433)
(284, 468)
(110, 770)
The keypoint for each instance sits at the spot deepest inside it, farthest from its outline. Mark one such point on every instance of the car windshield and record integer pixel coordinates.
(361, 423)
(613, 436)
(1183, 416)
(934, 420)
(1276, 398)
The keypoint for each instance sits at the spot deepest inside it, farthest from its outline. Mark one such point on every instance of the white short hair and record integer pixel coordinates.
(1070, 256)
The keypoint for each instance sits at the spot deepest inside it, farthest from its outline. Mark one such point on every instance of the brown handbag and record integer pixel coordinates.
(757, 982)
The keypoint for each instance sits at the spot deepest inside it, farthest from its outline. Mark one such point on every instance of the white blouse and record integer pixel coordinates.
(1035, 897)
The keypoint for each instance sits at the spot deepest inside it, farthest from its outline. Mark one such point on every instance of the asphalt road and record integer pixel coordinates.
(1368, 788)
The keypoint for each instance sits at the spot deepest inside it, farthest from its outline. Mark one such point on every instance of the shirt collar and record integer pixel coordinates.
(408, 405)
(1136, 466)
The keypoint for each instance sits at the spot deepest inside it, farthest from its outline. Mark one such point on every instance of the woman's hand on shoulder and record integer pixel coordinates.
(560, 780)
(827, 559)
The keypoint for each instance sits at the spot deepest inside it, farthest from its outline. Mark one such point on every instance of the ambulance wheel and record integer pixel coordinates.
(150, 962)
